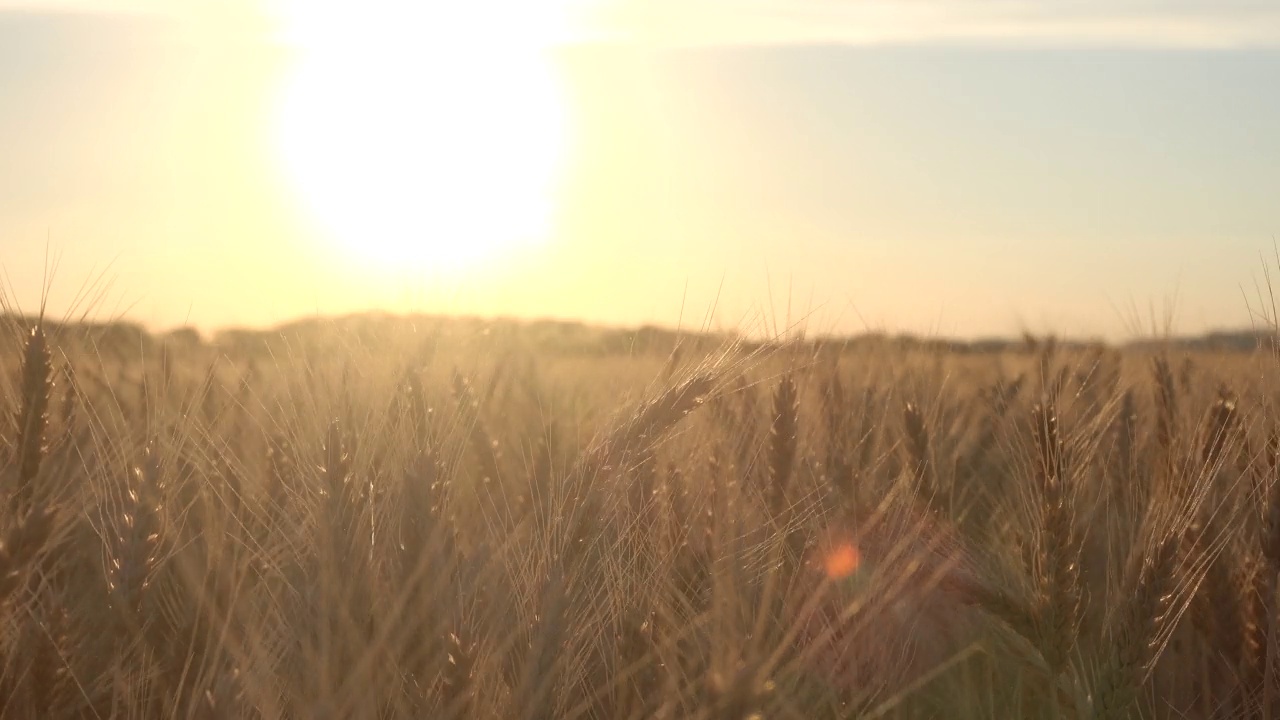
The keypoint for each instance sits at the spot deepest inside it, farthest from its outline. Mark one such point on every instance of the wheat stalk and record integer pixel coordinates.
(1137, 633)
(33, 416)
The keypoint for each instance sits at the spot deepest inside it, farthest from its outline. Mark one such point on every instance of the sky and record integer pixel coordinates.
(963, 168)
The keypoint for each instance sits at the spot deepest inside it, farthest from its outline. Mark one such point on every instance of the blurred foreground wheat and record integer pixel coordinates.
(422, 521)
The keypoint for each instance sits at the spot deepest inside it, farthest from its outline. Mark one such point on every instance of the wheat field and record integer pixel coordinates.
(439, 519)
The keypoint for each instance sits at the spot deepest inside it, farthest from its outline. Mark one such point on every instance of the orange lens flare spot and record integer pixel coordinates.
(842, 561)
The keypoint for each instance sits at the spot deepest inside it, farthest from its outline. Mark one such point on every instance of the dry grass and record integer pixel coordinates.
(382, 521)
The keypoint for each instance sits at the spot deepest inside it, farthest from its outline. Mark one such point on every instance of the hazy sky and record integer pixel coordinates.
(958, 167)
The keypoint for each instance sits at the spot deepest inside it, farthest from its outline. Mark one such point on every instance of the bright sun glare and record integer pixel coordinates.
(424, 137)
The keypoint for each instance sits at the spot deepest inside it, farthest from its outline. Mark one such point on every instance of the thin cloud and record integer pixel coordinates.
(1177, 24)
(664, 23)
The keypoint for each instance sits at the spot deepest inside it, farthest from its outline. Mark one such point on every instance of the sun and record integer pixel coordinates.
(423, 137)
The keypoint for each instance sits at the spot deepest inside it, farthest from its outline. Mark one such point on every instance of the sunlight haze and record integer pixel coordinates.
(959, 167)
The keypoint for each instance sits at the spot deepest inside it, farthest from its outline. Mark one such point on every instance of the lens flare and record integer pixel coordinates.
(842, 561)
(896, 596)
